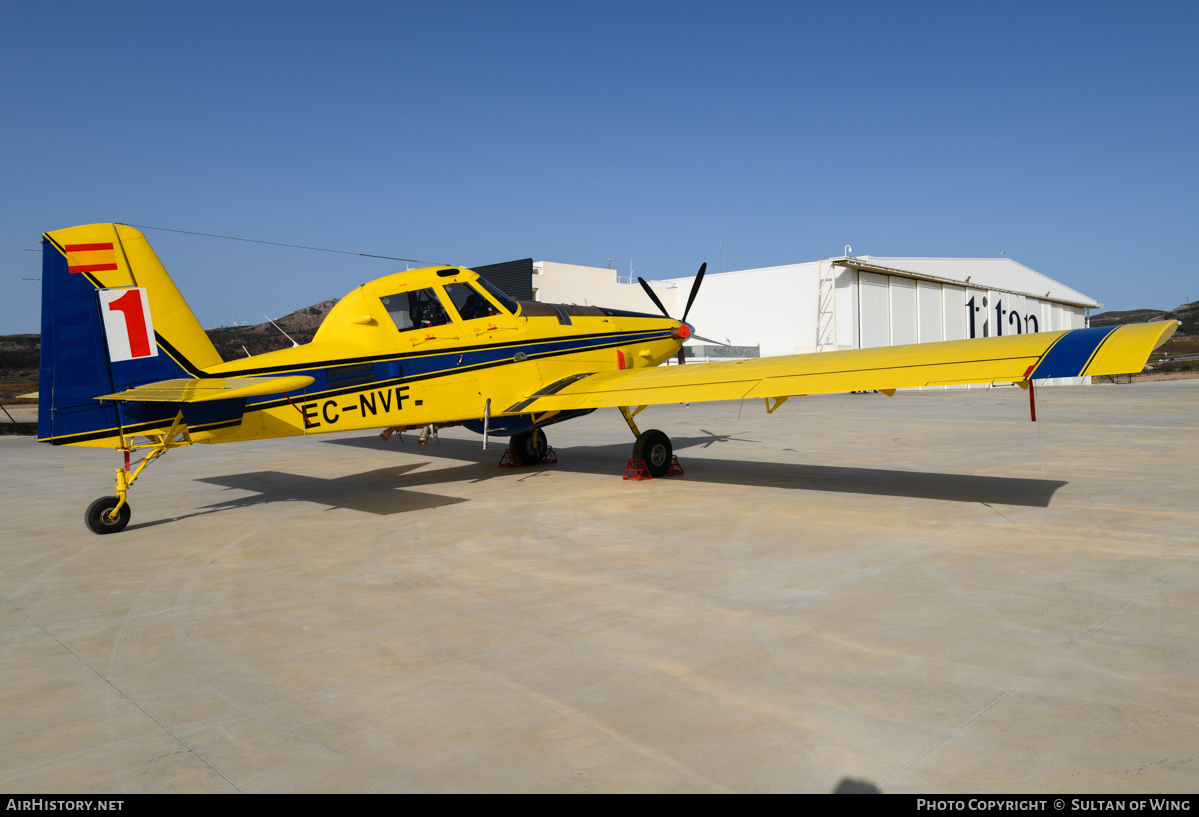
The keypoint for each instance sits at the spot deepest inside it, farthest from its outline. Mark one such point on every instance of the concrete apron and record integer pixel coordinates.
(920, 593)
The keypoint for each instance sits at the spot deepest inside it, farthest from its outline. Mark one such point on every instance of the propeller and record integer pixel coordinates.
(699, 277)
(650, 292)
(695, 288)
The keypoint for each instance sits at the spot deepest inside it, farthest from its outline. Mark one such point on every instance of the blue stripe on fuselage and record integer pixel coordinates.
(446, 362)
(411, 367)
(1070, 355)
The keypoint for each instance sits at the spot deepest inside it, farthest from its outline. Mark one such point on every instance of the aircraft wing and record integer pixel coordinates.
(1016, 358)
(204, 390)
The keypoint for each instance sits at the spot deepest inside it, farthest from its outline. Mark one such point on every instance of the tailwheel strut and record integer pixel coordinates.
(110, 514)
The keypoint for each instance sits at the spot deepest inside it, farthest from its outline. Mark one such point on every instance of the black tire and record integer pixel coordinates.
(530, 447)
(96, 516)
(655, 449)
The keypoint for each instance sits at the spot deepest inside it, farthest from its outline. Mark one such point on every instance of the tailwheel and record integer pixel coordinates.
(110, 514)
(654, 448)
(99, 516)
(530, 447)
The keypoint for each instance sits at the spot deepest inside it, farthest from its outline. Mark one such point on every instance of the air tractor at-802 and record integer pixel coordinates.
(125, 364)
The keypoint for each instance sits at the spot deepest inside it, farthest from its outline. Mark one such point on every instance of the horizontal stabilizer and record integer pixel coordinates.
(204, 390)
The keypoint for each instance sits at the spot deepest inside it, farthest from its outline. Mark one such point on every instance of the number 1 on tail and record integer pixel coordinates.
(127, 323)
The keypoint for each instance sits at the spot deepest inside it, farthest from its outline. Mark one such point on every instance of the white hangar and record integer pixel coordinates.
(839, 303)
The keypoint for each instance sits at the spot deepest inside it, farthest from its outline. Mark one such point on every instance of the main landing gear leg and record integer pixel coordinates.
(653, 447)
(628, 418)
(110, 514)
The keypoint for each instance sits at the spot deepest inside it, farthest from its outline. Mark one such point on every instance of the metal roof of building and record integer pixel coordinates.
(985, 273)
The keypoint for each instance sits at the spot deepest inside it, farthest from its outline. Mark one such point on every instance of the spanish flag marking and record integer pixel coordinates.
(90, 257)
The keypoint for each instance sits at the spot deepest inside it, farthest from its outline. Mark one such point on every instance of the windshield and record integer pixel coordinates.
(469, 303)
(496, 293)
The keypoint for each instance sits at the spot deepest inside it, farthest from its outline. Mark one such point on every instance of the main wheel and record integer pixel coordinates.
(96, 516)
(530, 447)
(654, 448)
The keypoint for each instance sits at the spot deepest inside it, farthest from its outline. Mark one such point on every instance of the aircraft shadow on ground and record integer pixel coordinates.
(386, 491)
(610, 459)
(379, 492)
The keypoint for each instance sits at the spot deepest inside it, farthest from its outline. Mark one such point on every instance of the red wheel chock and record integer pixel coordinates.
(509, 460)
(637, 469)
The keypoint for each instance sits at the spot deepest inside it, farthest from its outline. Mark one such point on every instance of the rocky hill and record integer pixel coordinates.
(20, 352)
(19, 356)
(1187, 315)
(235, 342)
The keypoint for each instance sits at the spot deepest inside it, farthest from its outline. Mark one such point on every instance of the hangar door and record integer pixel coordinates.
(887, 310)
(874, 310)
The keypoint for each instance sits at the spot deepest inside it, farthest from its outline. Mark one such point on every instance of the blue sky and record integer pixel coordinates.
(1062, 133)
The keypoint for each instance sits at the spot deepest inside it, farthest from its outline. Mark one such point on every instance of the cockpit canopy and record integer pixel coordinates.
(427, 307)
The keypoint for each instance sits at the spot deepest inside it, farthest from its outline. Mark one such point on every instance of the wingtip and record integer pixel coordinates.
(1129, 348)
(1168, 330)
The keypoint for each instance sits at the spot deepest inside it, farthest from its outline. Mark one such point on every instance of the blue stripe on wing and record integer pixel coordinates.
(1070, 355)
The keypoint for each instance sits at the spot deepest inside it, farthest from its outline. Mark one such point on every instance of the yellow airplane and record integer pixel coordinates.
(126, 365)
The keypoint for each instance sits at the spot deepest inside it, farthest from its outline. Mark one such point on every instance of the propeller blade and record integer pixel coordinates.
(695, 288)
(650, 292)
(709, 340)
(654, 298)
(682, 357)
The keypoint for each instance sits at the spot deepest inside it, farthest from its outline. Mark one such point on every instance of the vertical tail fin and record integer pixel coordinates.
(111, 318)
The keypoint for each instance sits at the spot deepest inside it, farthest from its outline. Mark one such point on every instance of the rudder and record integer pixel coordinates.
(111, 318)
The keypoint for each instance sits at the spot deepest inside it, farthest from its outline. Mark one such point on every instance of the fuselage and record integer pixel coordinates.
(434, 346)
